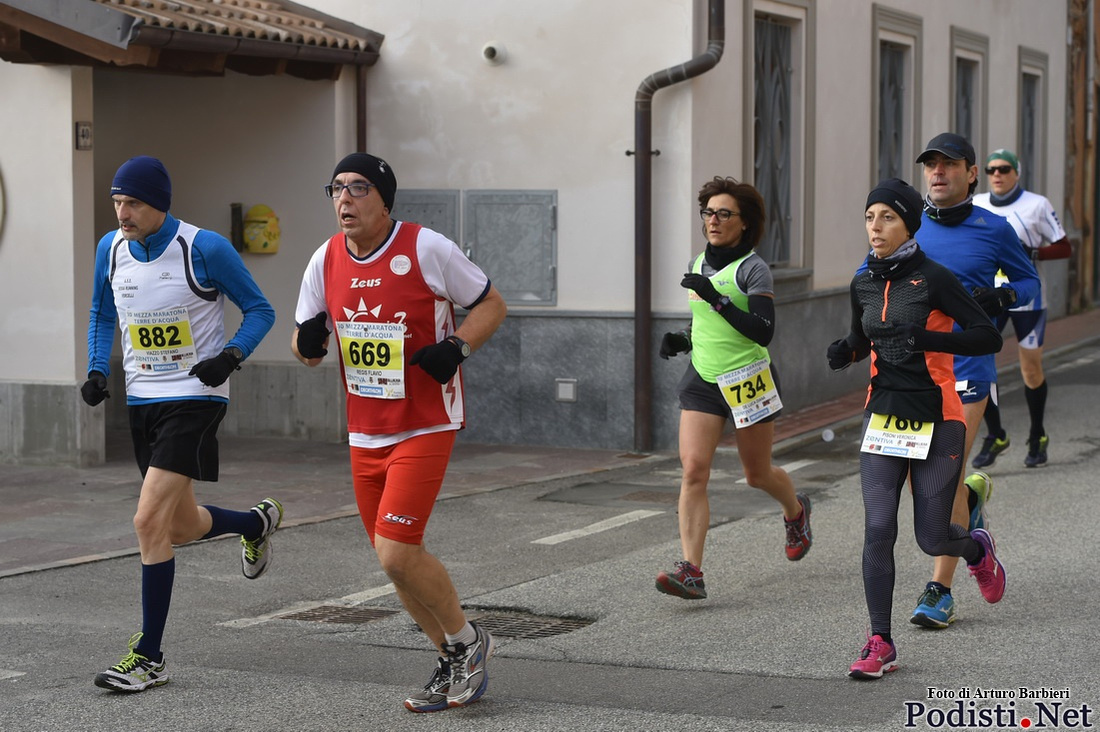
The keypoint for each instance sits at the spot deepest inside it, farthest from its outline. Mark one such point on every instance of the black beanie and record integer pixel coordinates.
(145, 179)
(900, 196)
(376, 170)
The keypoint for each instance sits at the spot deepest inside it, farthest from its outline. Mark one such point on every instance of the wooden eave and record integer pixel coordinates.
(179, 45)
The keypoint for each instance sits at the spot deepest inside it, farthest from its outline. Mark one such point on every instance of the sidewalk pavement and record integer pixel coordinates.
(59, 516)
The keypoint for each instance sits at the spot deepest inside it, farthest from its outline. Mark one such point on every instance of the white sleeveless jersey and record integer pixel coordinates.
(169, 322)
(1036, 225)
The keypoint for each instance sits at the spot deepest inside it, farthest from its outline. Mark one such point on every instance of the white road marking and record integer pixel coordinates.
(9, 674)
(597, 527)
(347, 601)
(789, 467)
(1076, 363)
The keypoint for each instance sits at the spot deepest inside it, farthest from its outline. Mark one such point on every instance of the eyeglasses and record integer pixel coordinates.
(1002, 169)
(357, 190)
(723, 214)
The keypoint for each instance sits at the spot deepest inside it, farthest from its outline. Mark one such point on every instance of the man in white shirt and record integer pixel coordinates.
(1042, 236)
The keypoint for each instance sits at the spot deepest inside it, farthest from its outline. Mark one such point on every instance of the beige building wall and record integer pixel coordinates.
(558, 113)
(45, 179)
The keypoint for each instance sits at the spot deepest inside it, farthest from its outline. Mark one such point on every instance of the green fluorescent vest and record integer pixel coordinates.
(716, 346)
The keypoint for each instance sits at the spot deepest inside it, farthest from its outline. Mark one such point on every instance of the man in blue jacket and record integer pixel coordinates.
(974, 243)
(165, 283)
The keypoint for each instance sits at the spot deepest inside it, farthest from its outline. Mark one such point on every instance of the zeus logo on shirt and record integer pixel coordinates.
(357, 283)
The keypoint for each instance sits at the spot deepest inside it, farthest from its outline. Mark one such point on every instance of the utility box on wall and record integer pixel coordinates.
(513, 236)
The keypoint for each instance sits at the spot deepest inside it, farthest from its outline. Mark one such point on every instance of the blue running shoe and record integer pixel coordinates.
(981, 488)
(991, 447)
(1037, 451)
(936, 608)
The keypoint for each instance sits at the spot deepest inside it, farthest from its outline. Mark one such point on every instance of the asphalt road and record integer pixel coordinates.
(768, 650)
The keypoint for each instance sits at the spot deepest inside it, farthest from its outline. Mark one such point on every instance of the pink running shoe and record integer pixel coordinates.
(876, 658)
(989, 572)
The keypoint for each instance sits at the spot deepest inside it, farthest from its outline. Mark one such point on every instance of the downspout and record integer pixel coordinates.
(360, 108)
(643, 214)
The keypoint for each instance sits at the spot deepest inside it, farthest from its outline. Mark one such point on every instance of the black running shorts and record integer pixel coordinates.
(181, 437)
(697, 395)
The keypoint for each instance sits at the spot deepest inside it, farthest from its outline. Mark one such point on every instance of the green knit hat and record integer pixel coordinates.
(1003, 154)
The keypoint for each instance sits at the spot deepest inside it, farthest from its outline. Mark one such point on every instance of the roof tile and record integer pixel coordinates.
(260, 19)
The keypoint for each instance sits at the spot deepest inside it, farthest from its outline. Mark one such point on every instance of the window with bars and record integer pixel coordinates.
(891, 111)
(896, 86)
(970, 88)
(1029, 123)
(966, 74)
(1034, 71)
(772, 135)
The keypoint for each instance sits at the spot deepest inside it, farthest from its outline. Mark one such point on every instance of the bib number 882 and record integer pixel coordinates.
(158, 337)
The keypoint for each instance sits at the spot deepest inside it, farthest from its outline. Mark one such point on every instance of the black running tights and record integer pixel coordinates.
(934, 481)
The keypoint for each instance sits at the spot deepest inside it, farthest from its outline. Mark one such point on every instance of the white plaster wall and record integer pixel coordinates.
(267, 139)
(42, 174)
(557, 114)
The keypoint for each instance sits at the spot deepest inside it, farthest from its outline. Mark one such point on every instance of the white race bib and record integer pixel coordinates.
(897, 436)
(374, 358)
(750, 393)
(161, 340)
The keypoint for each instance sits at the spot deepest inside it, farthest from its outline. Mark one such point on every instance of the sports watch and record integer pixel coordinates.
(463, 346)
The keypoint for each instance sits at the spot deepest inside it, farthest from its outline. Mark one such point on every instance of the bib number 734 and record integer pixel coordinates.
(750, 393)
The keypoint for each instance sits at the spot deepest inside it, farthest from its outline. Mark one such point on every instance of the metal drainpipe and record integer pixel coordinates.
(361, 108)
(643, 214)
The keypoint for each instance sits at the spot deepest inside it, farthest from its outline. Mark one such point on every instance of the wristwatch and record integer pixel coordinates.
(463, 346)
(235, 353)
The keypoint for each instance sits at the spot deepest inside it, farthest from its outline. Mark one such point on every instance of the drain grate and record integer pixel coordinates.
(526, 626)
(505, 625)
(339, 614)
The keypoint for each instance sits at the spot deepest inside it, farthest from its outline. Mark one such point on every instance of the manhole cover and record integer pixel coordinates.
(340, 614)
(522, 625)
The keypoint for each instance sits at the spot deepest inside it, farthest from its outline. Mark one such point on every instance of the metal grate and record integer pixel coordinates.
(505, 625)
(339, 614)
(525, 626)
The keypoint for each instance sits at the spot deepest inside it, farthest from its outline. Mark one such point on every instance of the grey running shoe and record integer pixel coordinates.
(256, 555)
(133, 673)
(469, 668)
(433, 697)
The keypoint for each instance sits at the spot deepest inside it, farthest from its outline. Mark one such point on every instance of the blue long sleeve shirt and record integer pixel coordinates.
(216, 264)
